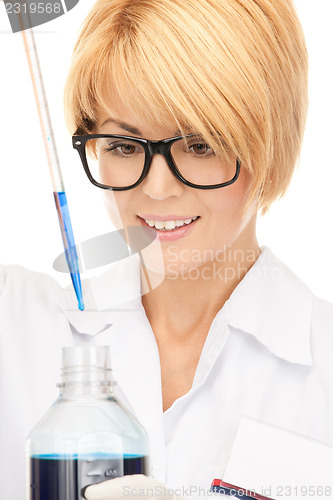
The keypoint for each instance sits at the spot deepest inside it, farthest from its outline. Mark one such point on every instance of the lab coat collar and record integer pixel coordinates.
(270, 303)
(119, 285)
(275, 306)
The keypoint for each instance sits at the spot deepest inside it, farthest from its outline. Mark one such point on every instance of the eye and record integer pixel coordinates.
(122, 149)
(201, 148)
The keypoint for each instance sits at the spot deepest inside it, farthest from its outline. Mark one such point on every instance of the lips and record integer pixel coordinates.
(170, 227)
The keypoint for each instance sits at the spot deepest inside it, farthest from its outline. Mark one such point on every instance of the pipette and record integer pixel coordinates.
(53, 161)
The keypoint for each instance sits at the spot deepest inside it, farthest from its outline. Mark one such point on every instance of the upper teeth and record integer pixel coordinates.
(168, 224)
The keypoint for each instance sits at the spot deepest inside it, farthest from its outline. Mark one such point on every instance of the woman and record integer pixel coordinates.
(230, 79)
(231, 331)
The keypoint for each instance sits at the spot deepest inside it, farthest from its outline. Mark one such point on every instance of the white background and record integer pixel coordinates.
(298, 228)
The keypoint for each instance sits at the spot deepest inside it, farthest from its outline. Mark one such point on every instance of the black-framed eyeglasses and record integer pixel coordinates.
(120, 162)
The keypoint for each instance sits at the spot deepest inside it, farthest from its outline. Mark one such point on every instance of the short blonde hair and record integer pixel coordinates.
(236, 71)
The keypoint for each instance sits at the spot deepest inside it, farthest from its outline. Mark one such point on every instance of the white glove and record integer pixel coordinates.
(136, 485)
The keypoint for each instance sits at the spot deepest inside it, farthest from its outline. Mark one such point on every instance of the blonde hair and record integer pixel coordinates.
(236, 71)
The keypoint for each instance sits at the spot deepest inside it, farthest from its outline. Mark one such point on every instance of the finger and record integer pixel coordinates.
(117, 488)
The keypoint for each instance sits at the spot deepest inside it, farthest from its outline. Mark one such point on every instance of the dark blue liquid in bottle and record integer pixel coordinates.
(55, 478)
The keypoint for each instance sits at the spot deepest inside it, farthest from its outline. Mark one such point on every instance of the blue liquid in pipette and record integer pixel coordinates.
(69, 244)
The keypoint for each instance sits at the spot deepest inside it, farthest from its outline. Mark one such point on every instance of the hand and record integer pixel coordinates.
(125, 487)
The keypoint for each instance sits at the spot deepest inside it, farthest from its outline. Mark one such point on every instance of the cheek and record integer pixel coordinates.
(227, 204)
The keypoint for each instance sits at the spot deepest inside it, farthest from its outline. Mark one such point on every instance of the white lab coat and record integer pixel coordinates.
(268, 355)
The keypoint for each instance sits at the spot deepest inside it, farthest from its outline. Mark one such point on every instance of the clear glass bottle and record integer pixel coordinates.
(87, 436)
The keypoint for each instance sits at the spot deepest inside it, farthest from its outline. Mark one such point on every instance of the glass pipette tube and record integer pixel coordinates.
(53, 162)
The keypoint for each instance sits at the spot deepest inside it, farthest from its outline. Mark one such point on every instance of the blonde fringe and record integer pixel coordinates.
(234, 71)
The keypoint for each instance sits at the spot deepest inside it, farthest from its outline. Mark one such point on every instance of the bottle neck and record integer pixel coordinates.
(86, 382)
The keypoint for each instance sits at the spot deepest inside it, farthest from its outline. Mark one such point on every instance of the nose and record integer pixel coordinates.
(160, 182)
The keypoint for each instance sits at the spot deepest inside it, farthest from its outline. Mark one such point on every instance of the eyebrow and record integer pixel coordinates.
(123, 125)
(129, 128)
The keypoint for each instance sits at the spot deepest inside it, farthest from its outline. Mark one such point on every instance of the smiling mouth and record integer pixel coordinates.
(169, 225)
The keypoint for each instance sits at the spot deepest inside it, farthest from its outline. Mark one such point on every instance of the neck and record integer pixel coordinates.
(191, 301)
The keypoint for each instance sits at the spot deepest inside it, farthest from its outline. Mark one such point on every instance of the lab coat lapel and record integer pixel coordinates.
(275, 306)
(134, 353)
